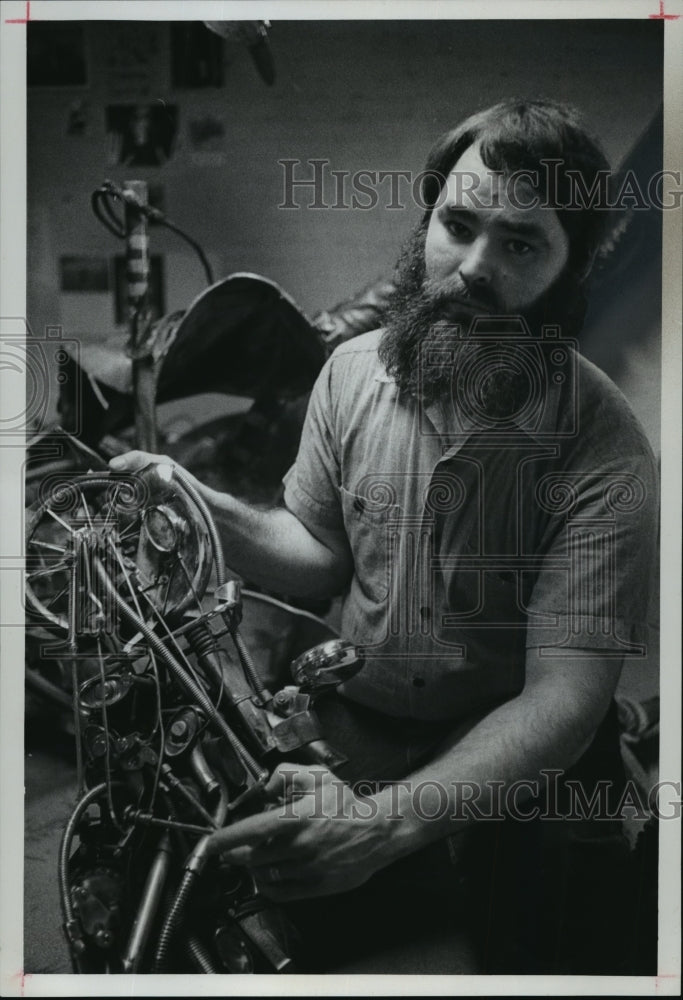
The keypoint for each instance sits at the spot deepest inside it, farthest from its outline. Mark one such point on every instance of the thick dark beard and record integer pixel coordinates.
(419, 318)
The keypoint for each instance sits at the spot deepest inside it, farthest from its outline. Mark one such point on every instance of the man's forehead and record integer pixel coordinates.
(511, 199)
(472, 184)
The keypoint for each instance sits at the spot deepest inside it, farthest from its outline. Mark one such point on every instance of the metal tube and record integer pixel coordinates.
(202, 770)
(151, 897)
(147, 819)
(180, 788)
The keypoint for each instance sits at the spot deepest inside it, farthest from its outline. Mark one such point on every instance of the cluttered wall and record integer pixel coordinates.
(209, 124)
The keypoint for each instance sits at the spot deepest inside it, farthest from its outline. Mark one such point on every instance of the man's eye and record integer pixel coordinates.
(459, 230)
(519, 247)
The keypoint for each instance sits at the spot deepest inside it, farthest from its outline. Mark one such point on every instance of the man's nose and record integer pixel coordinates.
(476, 268)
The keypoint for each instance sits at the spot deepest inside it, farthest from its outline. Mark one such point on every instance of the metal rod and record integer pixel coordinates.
(146, 819)
(149, 904)
(178, 786)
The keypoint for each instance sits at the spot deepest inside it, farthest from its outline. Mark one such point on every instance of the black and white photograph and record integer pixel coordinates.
(341, 559)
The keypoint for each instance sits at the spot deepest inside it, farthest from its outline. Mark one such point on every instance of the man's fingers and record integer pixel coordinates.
(271, 851)
(292, 781)
(254, 831)
(134, 460)
(285, 871)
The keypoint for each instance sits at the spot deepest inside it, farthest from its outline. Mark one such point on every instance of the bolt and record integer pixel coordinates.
(103, 938)
(179, 728)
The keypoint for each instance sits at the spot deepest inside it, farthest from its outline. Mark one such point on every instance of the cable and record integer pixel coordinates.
(155, 673)
(248, 665)
(105, 726)
(185, 681)
(266, 598)
(70, 923)
(102, 205)
(203, 508)
(163, 221)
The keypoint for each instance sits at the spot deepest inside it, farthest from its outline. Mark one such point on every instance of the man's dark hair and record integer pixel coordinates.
(523, 135)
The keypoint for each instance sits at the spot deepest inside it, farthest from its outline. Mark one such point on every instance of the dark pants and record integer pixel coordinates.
(509, 896)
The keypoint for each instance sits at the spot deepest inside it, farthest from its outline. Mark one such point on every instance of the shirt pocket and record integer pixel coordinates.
(367, 526)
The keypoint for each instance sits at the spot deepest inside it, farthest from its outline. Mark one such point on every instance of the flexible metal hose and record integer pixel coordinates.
(200, 956)
(193, 869)
(248, 664)
(173, 920)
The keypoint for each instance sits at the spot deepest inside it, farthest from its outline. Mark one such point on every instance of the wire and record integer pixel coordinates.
(208, 271)
(267, 599)
(184, 678)
(102, 201)
(107, 738)
(202, 506)
(159, 724)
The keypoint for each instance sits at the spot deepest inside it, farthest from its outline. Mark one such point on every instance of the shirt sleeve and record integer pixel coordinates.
(312, 484)
(599, 557)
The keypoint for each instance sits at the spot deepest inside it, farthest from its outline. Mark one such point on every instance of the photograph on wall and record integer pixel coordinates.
(56, 55)
(343, 650)
(130, 62)
(84, 274)
(142, 135)
(196, 56)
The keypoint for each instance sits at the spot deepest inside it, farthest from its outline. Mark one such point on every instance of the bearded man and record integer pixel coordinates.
(485, 501)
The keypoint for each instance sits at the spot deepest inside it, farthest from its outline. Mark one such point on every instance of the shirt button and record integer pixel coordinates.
(419, 682)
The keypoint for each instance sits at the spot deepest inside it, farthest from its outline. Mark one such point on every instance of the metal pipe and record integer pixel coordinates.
(149, 904)
(147, 819)
(202, 770)
(179, 787)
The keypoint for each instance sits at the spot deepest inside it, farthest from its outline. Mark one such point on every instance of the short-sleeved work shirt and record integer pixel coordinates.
(475, 539)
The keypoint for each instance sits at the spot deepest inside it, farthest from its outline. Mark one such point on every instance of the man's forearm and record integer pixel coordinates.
(272, 548)
(547, 726)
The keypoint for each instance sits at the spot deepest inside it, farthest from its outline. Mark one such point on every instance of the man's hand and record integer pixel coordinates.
(319, 837)
(134, 461)
(271, 548)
